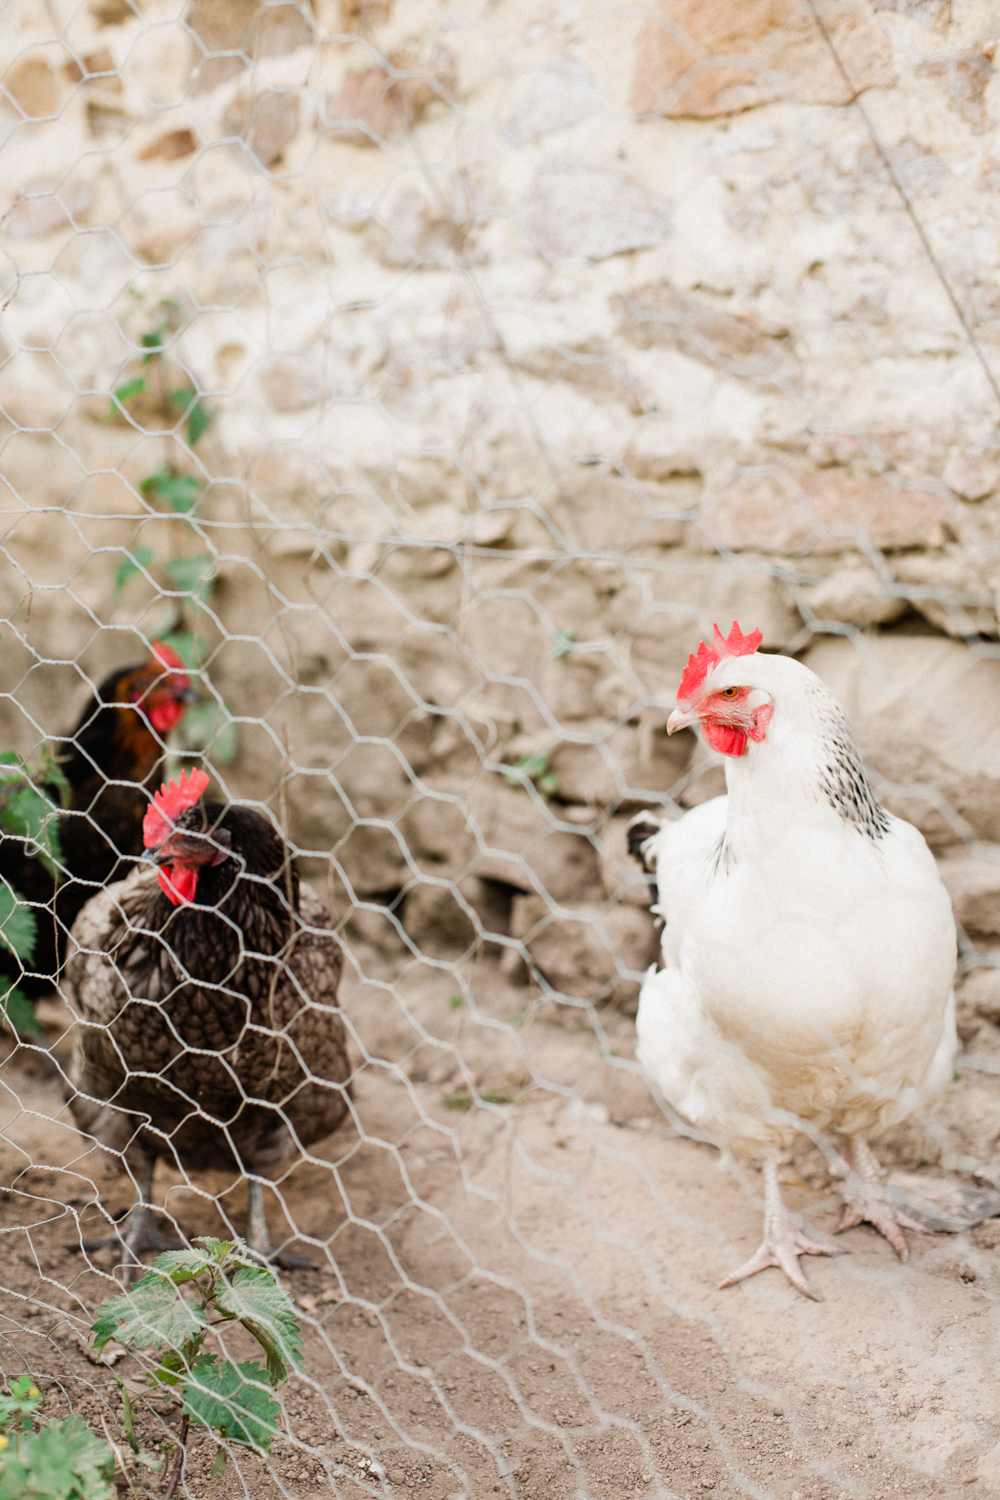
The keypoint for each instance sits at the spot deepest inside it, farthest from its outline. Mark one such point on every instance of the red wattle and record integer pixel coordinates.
(178, 883)
(761, 719)
(724, 738)
(165, 715)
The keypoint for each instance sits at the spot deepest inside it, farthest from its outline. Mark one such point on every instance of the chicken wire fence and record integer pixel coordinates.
(421, 383)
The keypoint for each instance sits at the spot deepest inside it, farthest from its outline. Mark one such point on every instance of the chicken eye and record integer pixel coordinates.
(729, 692)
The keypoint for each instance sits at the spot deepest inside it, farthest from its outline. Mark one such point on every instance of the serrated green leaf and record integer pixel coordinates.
(153, 341)
(131, 564)
(219, 1249)
(232, 1400)
(198, 423)
(181, 1265)
(20, 1405)
(152, 1312)
(171, 1370)
(18, 1013)
(29, 814)
(219, 1464)
(179, 491)
(528, 768)
(131, 388)
(191, 574)
(65, 1461)
(210, 727)
(18, 927)
(254, 1297)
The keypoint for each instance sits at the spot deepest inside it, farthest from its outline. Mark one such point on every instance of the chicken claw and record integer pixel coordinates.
(890, 1221)
(783, 1250)
(783, 1243)
(865, 1201)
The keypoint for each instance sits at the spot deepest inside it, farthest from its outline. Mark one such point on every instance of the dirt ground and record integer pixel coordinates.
(518, 1298)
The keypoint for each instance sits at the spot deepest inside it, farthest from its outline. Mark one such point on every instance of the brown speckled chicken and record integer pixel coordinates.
(206, 985)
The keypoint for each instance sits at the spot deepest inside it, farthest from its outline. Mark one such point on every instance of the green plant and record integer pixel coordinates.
(228, 1286)
(28, 811)
(187, 581)
(42, 1460)
(463, 1099)
(534, 768)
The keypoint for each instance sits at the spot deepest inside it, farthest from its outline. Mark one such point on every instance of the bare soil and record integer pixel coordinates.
(518, 1298)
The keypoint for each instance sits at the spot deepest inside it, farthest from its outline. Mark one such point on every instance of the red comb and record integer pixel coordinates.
(168, 804)
(167, 657)
(707, 658)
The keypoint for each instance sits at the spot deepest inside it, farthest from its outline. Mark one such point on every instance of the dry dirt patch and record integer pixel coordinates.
(519, 1298)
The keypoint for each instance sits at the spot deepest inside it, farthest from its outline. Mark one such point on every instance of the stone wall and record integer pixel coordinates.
(535, 339)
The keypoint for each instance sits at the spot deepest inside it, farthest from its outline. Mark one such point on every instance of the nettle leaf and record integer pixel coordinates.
(191, 575)
(210, 726)
(18, 1013)
(21, 1403)
(131, 388)
(153, 1312)
(65, 1461)
(131, 564)
(199, 417)
(218, 1250)
(198, 423)
(233, 1400)
(179, 491)
(17, 924)
(28, 814)
(181, 1265)
(263, 1307)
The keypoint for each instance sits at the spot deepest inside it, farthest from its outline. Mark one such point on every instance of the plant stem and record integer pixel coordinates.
(175, 1477)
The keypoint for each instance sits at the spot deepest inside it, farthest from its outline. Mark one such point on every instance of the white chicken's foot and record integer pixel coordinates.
(865, 1201)
(259, 1238)
(783, 1242)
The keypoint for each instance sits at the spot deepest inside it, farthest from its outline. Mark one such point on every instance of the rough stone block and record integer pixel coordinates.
(622, 876)
(979, 995)
(704, 58)
(557, 95)
(595, 952)
(856, 596)
(524, 846)
(267, 121)
(973, 883)
(926, 714)
(700, 326)
(791, 511)
(582, 211)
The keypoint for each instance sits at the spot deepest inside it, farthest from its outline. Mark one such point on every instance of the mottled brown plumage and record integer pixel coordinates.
(209, 1032)
(110, 762)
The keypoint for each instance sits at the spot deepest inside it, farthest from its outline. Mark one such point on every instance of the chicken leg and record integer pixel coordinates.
(783, 1242)
(259, 1239)
(865, 1200)
(142, 1233)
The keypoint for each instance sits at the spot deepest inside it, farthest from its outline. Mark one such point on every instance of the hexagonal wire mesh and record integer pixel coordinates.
(428, 379)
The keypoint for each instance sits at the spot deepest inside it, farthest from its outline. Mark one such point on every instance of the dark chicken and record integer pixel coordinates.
(207, 992)
(110, 763)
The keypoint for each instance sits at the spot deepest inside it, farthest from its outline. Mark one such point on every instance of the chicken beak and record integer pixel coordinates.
(681, 719)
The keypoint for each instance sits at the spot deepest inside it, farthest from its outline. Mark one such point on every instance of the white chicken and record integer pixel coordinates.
(809, 947)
